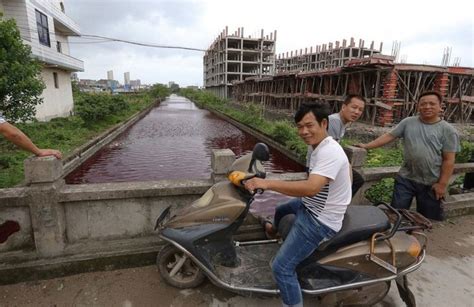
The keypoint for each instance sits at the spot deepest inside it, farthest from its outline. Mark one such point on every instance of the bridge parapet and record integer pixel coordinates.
(67, 228)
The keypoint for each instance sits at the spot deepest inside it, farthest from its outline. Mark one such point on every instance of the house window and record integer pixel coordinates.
(43, 30)
(58, 47)
(55, 77)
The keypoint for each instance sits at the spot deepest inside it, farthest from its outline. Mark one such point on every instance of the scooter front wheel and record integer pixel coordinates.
(177, 269)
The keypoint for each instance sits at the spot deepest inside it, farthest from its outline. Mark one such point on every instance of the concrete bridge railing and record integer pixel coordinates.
(456, 204)
(66, 229)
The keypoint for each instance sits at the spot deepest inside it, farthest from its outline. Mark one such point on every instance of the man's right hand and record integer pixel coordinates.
(361, 145)
(49, 152)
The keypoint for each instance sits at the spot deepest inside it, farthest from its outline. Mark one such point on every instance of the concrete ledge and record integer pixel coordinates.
(121, 190)
(64, 266)
(379, 173)
(13, 197)
(459, 204)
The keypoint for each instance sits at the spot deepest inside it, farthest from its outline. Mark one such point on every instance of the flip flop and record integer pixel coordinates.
(264, 221)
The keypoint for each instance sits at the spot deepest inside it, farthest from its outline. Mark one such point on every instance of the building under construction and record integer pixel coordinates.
(234, 57)
(391, 89)
(324, 56)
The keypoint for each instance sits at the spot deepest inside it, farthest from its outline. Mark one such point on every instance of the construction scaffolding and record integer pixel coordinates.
(390, 89)
(324, 56)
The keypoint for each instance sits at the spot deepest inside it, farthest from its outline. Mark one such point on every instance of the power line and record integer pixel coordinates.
(105, 39)
(142, 44)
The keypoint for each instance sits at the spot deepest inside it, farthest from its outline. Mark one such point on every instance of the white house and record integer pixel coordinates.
(44, 26)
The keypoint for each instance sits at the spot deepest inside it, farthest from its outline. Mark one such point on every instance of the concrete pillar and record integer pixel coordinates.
(47, 215)
(221, 161)
(441, 84)
(357, 157)
(42, 170)
(390, 91)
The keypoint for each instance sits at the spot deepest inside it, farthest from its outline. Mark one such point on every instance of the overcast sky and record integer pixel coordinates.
(424, 29)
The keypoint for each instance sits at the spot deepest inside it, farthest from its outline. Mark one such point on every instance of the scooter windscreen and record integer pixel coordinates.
(249, 165)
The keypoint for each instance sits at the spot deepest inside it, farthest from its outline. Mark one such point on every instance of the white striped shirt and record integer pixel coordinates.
(329, 205)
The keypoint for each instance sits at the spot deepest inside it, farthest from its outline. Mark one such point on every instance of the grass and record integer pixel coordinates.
(64, 134)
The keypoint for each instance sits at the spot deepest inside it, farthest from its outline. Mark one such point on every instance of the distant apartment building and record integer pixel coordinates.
(110, 85)
(126, 81)
(135, 84)
(126, 78)
(45, 27)
(234, 57)
(110, 75)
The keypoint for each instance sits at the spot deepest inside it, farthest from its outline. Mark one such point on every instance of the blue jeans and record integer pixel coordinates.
(306, 234)
(290, 207)
(426, 202)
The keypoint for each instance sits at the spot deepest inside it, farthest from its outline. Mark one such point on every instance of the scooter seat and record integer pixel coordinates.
(360, 223)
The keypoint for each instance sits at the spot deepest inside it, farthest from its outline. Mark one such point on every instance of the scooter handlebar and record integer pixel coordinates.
(238, 179)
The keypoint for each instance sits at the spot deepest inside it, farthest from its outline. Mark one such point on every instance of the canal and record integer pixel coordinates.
(173, 141)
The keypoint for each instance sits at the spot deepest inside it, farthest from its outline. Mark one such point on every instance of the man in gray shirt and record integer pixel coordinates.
(352, 109)
(17, 137)
(430, 145)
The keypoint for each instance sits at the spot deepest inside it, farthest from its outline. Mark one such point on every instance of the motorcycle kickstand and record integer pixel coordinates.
(405, 293)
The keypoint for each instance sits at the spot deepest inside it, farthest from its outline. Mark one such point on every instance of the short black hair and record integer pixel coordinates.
(348, 99)
(319, 109)
(436, 93)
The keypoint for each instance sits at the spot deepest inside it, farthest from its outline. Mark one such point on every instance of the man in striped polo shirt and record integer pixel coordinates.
(320, 201)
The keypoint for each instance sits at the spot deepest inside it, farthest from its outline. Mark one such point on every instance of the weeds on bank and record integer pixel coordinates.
(94, 114)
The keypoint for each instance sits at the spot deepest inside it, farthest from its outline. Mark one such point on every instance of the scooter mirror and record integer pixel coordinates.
(260, 153)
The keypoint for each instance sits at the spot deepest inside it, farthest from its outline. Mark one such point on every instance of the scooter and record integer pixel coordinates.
(377, 244)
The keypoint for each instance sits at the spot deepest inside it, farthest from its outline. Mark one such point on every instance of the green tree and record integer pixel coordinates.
(159, 91)
(20, 85)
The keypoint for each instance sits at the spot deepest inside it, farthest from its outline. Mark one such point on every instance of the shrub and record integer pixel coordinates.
(466, 153)
(381, 191)
(95, 107)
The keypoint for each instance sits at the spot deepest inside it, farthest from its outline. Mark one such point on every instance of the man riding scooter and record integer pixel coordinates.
(321, 202)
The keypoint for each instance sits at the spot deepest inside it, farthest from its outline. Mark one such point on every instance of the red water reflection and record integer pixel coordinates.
(174, 141)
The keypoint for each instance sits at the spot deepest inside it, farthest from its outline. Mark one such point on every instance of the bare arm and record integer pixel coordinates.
(17, 137)
(308, 187)
(447, 167)
(378, 142)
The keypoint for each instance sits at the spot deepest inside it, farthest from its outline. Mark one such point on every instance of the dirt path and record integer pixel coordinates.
(445, 279)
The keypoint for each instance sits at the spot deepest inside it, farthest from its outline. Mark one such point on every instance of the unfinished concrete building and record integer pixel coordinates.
(324, 56)
(234, 57)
